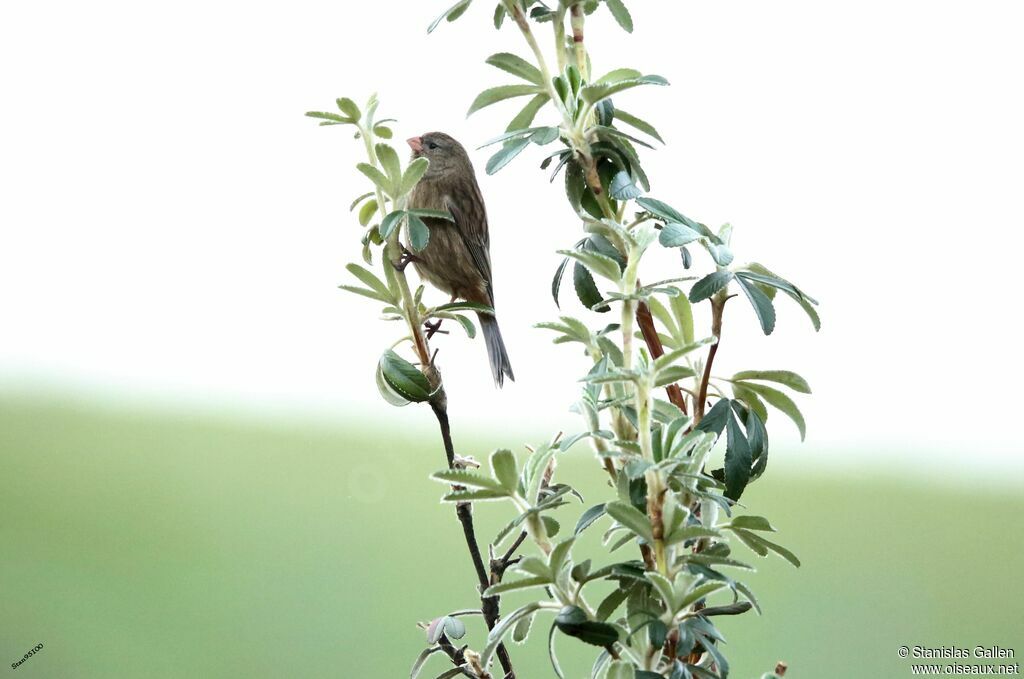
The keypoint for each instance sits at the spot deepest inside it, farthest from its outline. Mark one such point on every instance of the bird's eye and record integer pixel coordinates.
(431, 146)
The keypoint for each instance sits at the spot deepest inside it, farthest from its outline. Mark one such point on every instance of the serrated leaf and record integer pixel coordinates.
(621, 14)
(738, 459)
(503, 465)
(632, 518)
(588, 517)
(466, 306)
(419, 234)
(388, 158)
(709, 285)
(417, 168)
(349, 108)
(782, 402)
(762, 305)
(377, 177)
(468, 478)
(526, 115)
(522, 629)
(622, 187)
(390, 222)
(600, 264)
(675, 235)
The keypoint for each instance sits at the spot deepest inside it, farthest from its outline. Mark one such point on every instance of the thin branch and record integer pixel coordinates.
(645, 320)
(489, 606)
(717, 307)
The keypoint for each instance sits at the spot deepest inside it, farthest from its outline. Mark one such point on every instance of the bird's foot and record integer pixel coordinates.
(434, 328)
(406, 259)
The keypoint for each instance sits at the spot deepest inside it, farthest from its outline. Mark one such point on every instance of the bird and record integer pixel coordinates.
(456, 259)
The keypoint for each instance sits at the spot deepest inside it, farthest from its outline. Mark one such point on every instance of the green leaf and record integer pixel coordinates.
(588, 517)
(349, 108)
(390, 222)
(388, 158)
(751, 522)
(598, 91)
(432, 214)
(386, 392)
(786, 377)
(451, 14)
(413, 174)
(365, 293)
(779, 400)
(619, 75)
(377, 177)
(621, 14)
(468, 478)
(501, 93)
(638, 123)
(675, 235)
(632, 518)
(499, 16)
(709, 285)
(738, 459)
(368, 279)
(517, 66)
(419, 234)
(751, 400)
(516, 585)
(596, 262)
(383, 132)
(333, 117)
(525, 116)
(503, 464)
(359, 200)
(559, 555)
(573, 622)
(502, 628)
(367, 211)
(404, 377)
(556, 282)
(507, 153)
(466, 306)
(622, 187)
(762, 305)
(482, 494)
(522, 629)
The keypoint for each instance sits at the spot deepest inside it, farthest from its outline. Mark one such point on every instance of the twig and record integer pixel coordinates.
(717, 306)
(645, 320)
(489, 606)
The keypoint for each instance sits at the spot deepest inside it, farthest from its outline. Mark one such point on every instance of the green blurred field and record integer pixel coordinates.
(147, 545)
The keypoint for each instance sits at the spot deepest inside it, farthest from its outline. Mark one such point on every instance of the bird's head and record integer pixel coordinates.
(446, 155)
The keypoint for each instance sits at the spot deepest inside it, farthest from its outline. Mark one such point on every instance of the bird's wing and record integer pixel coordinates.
(467, 209)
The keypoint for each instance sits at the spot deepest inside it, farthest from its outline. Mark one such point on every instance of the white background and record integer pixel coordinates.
(173, 228)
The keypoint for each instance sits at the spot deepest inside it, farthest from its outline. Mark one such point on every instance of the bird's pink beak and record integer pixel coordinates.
(416, 144)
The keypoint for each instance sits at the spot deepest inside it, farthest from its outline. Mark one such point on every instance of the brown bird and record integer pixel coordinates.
(457, 257)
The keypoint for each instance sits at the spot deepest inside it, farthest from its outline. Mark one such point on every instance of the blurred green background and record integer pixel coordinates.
(140, 543)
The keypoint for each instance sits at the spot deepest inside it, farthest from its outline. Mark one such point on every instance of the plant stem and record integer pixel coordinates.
(489, 606)
(645, 320)
(717, 307)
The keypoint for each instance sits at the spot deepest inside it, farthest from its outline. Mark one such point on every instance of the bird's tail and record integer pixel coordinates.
(500, 365)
